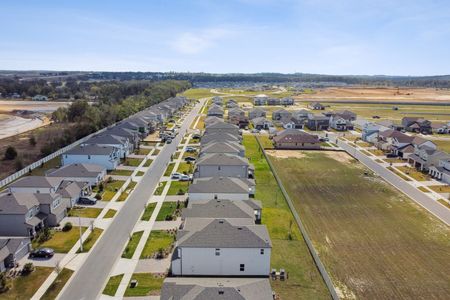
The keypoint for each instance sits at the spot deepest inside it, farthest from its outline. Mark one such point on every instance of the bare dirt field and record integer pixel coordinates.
(378, 94)
(35, 106)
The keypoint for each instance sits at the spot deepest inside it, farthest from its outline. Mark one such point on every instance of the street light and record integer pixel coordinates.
(81, 241)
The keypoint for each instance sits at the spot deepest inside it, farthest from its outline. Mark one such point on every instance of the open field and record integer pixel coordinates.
(443, 145)
(24, 287)
(289, 249)
(374, 241)
(35, 106)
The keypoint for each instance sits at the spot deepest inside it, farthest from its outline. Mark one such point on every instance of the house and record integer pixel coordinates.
(246, 212)
(212, 120)
(441, 171)
(301, 114)
(236, 112)
(370, 131)
(392, 140)
(220, 137)
(222, 127)
(256, 113)
(290, 123)
(219, 247)
(24, 214)
(12, 250)
(232, 103)
(40, 98)
(261, 123)
(440, 128)
(223, 147)
(131, 135)
(118, 142)
(296, 139)
(220, 164)
(316, 106)
(202, 288)
(106, 156)
(217, 100)
(231, 188)
(415, 124)
(240, 120)
(425, 156)
(215, 111)
(317, 122)
(280, 113)
(341, 122)
(260, 99)
(273, 101)
(346, 114)
(90, 173)
(287, 101)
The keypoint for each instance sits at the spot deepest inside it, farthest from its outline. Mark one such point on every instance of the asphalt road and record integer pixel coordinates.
(88, 280)
(426, 202)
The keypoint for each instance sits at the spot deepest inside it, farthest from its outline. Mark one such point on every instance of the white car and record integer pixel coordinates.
(185, 178)
(176, 176)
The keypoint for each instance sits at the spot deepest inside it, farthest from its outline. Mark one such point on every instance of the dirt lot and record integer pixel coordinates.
(36, 106)
(379, 94)
(375, 242)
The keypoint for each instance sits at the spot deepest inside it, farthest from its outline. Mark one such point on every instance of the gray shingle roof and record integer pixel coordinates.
(219, 185)
(105, 139)
(219, 209)
(91, 150)
(221, 159)
(219, 137)
(77, 170)
(220, 233)
(221, 147)
(17, 203)
(37, 181)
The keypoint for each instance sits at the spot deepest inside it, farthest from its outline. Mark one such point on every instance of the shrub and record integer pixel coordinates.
(98, 196)
(169, 218)
(180, 192)
(10, 153)
(32, 141)
(101, 187)
(67, 227)
(27, 268)
(45, 235)
(5, 283)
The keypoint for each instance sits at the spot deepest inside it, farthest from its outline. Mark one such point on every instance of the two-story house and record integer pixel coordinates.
(232, 188)
(106, 156)
(222, 165)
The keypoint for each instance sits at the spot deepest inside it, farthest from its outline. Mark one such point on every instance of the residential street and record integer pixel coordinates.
(429, 204)
(88, 281)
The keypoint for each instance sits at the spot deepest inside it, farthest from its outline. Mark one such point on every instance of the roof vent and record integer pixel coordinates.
(221, 292)
(239, 228)
(220, 221)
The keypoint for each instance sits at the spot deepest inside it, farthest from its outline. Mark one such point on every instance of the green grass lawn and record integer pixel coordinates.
(140, 173)
(148, 162)
(132, 244)
(167, 208)
(124, 195)
(185, 168)
(423, 189)
(157, 240)
(121, 172)
(112, 285)
(148, 212)
(266, 142)
(110, 213)
(291, 254)
(440, 188)
(443, 202)
(51, 164)
(133, 162)
(365, 229)
(57, 285)
(110, 189)
(198, 93)
(156, 152)
(61, 241)
(398, 173)
(142, 151)
(443, 145)
(415, 174)
(376, 152)
(394, 160)
(160, 188)
(84, 212)
(178, 188)
(24, 287)
(89, 242)
(148, 285)
(169, 169)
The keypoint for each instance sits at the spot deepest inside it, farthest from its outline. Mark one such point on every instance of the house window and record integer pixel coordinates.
(217, 252)
(242, 267)
(261, 251)
(218, 168)
(89, 157)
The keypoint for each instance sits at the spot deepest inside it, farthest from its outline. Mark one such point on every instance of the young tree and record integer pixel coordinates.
(10, 153)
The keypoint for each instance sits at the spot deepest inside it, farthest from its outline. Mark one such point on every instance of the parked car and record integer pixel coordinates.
(168, 141)
(191, 149)
(176, 176)
(391, 155)
(254, 130)
(324, 139)
(87, 200)
(196, 136)
(189, 158)
(42, 252)
(185, 178)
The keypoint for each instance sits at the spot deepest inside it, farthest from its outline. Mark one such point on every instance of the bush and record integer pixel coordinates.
(10, 153)
(45, 235)
(32, 141)
(98, 196)
(5, 283)
(67, 227)
(101, 186)
(27, 268)
(180, 192)
(169, 218)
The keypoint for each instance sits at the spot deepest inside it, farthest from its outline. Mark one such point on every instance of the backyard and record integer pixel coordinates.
(374, 241)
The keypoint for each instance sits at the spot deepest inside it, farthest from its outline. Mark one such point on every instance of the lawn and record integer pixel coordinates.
(445, 203)
(157, 240)
(363, 144)
(156, 152)
(169, 169)
(198, 93)
(110, 189)
(394, 160)
(132, 244)
(84, 212)
(142, 151)
(185, 168)
(148, 162)
(440, 188)
(178, 188)
(121, 172)
(376, 152)
(110, 213)
(140, 173)
(423, 189)
(132, 162)
(265, 141)
(291, 253)
(112, 285)
(57, 285)
(398, 173)
(124, 195)
(415, 174)
(201, 123)
(148, 212)
(443, 145)
(374, 241)
(51, 164)
(89, 242)
(168, 209)
(148, 285)
(160, 188)
(24, 287)
(61, 241)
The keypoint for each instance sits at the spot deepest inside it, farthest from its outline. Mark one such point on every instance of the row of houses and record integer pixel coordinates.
(421, 153)
(222, 251)
(32, 203)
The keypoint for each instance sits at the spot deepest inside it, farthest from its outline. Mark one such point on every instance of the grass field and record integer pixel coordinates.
(167, 208)
(148, 285)
(57, 285)
(198, 93)
(132, 244)
(61, 241)
(132, 162)
(178, 188)
(121, 172)
(24, 287)
(413, 173)
(142, 151)
(157, 240)
(440, 188)
(443, 145)
(291, 254)
(84, 212)
(169, 169)
(374, 241)
(112, 285)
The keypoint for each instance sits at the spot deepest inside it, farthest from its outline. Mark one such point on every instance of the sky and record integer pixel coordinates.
(372, 37)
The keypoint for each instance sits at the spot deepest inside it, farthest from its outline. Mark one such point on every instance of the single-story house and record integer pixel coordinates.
(296, 139)
(211, 120)
(236, 112)
(281, 113)
(106, 156)
(220, 164)
(317, 122)
(240, 121)
(220, 137)
(222, 127)
(223, 147)
(256, 113)
(215, 111)
(90, 173)
(217, 100)
(231, 188)
(231, 103)
(12, 250)
(261, 123)
(219, 247)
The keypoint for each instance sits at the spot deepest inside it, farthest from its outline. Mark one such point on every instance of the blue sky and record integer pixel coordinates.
(393, 37)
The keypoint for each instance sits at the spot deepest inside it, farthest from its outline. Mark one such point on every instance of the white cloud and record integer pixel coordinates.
(197, 42)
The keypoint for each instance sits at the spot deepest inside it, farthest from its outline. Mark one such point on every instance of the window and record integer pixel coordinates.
(242, 267)
(218, 168)
(261, 251)
(217, 252)
(89, 157)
